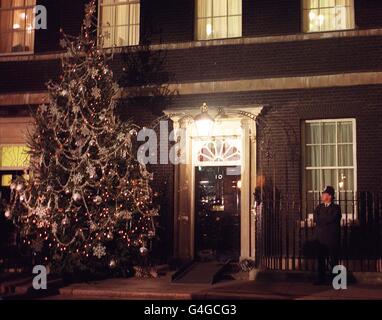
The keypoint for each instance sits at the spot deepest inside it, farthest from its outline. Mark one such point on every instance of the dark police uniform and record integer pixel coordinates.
(327, 235)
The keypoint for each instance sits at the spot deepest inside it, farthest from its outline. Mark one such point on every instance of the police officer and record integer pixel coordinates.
(327, 219)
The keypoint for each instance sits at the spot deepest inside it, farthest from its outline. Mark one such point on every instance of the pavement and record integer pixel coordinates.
(163, 289)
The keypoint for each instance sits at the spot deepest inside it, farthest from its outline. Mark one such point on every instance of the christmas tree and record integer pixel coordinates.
(87, 204)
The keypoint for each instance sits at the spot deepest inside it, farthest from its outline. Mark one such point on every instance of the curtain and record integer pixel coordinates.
(218, 19)
(326, 15)
(5, 26)
(120, 23)
(329, 155)
(16, 26)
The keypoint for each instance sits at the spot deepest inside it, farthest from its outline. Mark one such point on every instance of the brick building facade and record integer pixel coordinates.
(289, 76)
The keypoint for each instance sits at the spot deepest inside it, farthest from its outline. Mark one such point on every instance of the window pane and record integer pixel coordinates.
(107, 16)
(134, 35)
(204, 8)
(327, 3)
(19, 19)
(313, 180)
(346, 179)
(313, 133)
(329, 158)
(329, 178)
(345, 132)
(121, 36)
(6, 180)
(122, 15)
(14, 157)
(134, 14)
(329, 132)
(234, 7)
(219, 8)
(204, 29)
(308, 4)
(326, 19)
(234, 26)
(219, 27)
(18, 41)
(5, 3)
(313, 157)
(5, 31)
(108, 36)
(345, 155)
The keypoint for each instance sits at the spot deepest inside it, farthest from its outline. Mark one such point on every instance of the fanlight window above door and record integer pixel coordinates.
(218, 152)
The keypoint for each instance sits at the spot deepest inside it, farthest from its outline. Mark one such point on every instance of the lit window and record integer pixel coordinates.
(16, 26)
(119, 22)
(218, 19)
(330, 159)
(12, 158)
(328, 15)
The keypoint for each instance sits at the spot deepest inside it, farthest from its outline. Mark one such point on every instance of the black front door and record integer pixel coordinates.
(217, 210)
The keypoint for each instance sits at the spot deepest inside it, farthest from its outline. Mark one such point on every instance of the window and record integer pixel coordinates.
(119, 22)
(12, 158)
(16, 26)
(218, 151)
(218, 19)
(330, 159)
(328, 15)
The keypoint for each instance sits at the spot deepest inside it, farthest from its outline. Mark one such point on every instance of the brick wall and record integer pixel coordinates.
(289, 108)
(301, 58)
(270, 17)
(368, 13)
(165, 21)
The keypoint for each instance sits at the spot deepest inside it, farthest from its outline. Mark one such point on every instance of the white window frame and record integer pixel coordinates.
(126, 2)
(33, 31)
(197, 19)
(347, 217)
(336, 29)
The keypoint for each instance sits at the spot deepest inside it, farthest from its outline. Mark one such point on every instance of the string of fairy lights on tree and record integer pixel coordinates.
(88, 199)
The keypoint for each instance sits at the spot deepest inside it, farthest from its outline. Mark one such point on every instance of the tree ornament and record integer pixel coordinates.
(113, 263)
(99, 251)
(97, 200)
(143, 251)
(8, 214)
(96, 93)
(77, 178)
(65, 221)
(151, 234)
(37, 245)
(54, 227)
(91, 171)
(77, 196)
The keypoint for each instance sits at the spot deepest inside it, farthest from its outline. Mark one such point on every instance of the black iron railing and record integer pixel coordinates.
(285, 232)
